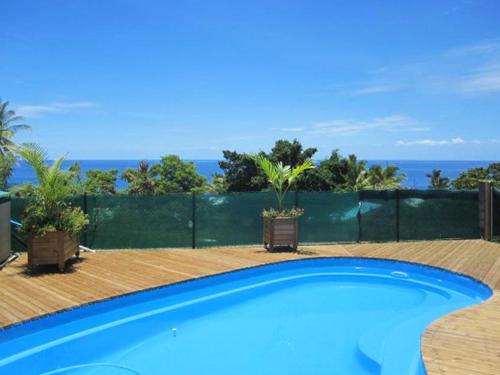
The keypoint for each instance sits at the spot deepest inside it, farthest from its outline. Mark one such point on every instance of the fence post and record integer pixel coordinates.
(495, 212)
(360, 200)
(5, 230)
(85, 211)
(193, 198)
(485, 210)
(397, 215)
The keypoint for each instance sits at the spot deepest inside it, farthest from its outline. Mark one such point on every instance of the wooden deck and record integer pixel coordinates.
(465, 342)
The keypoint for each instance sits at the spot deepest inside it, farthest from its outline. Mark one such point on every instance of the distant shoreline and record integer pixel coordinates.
(415, 170)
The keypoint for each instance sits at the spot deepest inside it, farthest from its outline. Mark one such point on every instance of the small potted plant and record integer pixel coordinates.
(52, 224)
(281, 225)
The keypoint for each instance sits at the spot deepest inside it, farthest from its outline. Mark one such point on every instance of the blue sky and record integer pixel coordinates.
(385, 79)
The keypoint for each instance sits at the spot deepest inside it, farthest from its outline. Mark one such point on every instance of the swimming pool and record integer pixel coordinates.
(318, 316)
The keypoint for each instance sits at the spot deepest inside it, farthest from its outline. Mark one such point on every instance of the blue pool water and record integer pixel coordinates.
(318, 316)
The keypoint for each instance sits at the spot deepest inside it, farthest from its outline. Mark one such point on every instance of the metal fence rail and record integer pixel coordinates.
(205, 220)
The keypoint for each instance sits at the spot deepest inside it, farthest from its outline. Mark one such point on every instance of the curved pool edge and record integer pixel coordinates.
(257, 266)
(268, 264)
(474, 345)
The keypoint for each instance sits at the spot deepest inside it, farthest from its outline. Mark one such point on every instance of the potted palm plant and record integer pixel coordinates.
(281, 225)
(51, 223)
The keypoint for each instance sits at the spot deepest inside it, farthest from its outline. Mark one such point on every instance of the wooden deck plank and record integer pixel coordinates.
(464, 342)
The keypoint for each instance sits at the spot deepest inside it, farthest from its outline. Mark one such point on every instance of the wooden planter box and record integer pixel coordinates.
(53, 248)
(281, 231)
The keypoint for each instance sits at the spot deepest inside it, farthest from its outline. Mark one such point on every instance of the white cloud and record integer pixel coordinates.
(292, 129)
(457, 141)
(485, 141)
(473, 69)
(432, 142)
(377, 89)
(420, 129)
(481, 80)
(352, 127)
(55, 107)
(482, 48)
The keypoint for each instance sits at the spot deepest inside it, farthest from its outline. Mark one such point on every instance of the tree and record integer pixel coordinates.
(380, 178)
(281, 176)
(142, 180)
(100, 182)
(75, 179)
(335, 174)
(177, 176)
(218, 184)
(437, 181)
(324, 177)
(47, 209)
(9, 126)
(290, 153)
(6, 167)
(241, 173)
(494, 174)
(52, 188)
(470, 179)
(353, 173)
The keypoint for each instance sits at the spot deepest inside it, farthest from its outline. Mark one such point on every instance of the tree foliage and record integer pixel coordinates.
(290, 153)
(470, 179)
(141, 181)
(383, 178)
(437, 181)
(6, 167)
(218, 184)
(336, 173)
(241, 173)
(100, 182)
(177, 176)
(9, 126)
(281, 176)
(47, 209)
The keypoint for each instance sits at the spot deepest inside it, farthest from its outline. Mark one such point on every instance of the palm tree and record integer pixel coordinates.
(436, 181)
(380, 178)
(281, 176)
(52, 224)
(9, 126)
(141, 181)
(355, 175)
(53, 187)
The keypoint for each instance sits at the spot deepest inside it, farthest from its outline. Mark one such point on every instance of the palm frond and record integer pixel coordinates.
(17, 127)
(280, 176)
(9, 126)
(270, 170)
(299, 169)
(36, 157)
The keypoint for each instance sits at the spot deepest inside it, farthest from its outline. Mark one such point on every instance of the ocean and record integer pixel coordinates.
(415, 170)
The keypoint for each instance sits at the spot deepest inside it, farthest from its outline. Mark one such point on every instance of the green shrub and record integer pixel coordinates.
(48, 208)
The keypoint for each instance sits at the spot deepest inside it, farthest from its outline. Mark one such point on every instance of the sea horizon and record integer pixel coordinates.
(415, 170)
